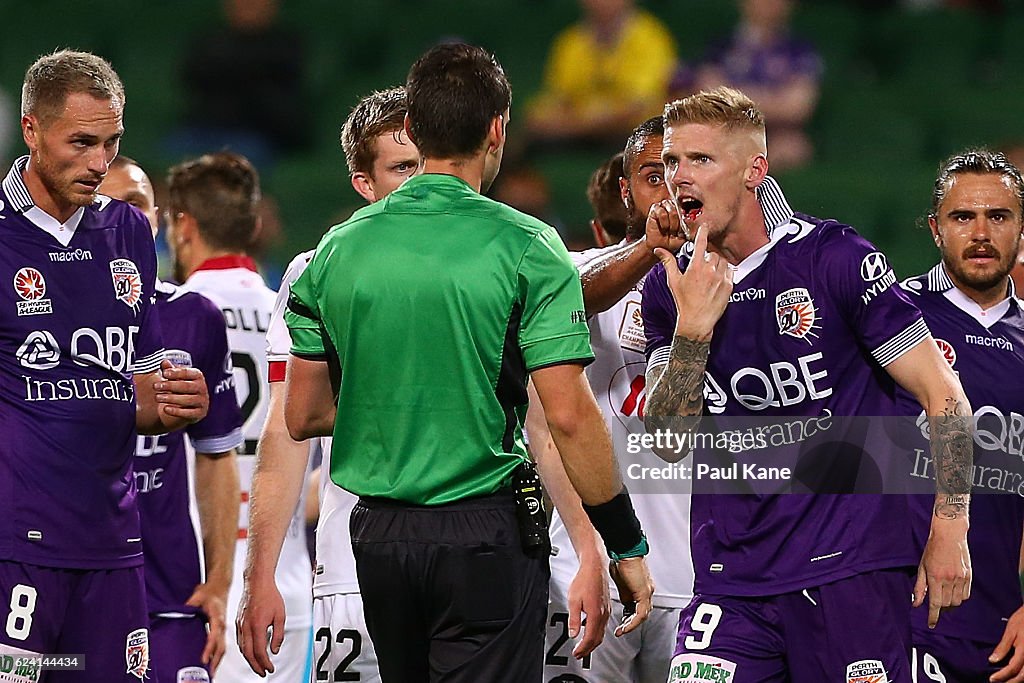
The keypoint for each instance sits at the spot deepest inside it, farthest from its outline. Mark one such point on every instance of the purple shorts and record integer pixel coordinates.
(177, 646)
(951, 660)
(98, 614)
(856, 630)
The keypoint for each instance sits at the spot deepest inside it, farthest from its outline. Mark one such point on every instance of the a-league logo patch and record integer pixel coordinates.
(31, 287)
(690, 667)
(795, 313)
(193, 674)
(947, 350)
(866, 671)
(631, 330)
(136, 653)
(127, 281)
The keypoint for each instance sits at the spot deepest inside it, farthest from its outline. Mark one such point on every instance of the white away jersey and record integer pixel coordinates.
(239, 291)
(335, 570)
(617, 379)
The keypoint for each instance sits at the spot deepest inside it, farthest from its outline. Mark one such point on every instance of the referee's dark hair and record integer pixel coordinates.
(454, 91)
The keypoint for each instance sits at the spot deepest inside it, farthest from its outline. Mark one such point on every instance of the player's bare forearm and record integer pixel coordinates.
(953, 453)
(588, 592)
(557, 484)
(607, 279)
(579, 432)
(217, 495)
(676, 389)
(276, 488)
(925, 373)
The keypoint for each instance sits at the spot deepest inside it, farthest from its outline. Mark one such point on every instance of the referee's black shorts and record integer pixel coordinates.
(448, 594)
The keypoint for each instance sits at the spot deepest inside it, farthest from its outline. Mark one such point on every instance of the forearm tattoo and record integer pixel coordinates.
(953, 453)
(679, 392)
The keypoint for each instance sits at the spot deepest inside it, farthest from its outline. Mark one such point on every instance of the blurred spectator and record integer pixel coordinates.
(244, 87)
(603, 75)
(604, 192)
(525, 188)
(779, 71)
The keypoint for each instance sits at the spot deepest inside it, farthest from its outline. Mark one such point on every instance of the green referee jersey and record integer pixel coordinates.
(430, 308)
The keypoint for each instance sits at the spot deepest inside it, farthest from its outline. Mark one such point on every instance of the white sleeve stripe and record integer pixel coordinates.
(660, 356)
(901, 343)
(219, 444)
(273, 357)
(151, 363)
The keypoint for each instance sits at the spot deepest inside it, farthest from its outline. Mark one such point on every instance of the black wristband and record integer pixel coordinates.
(616, 522)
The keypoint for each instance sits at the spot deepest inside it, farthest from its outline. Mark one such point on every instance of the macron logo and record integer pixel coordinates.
(577, 317)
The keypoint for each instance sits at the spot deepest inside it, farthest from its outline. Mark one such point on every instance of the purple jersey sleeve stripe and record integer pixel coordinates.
(151, 363)
(659, 356)
(219, 444)
(910, 337)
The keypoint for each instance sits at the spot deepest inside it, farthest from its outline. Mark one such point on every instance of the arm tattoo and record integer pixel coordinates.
(953, 452)
(679, 392)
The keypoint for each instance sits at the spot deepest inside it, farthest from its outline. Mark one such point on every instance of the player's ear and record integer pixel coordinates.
(186, 227)
(363, 186)
(407, 126)
(757, 171)
(624, 192)
(933, 225)
(496, 133)
(30, 131)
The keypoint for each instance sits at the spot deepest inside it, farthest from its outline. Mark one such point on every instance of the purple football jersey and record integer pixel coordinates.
(813, 319)
(987, 352)
(195, 336)
(77, 322)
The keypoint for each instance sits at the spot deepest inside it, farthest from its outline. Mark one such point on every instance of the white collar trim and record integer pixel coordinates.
(985, 317)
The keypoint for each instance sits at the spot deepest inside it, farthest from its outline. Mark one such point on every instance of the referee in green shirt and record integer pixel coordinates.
(414, 331)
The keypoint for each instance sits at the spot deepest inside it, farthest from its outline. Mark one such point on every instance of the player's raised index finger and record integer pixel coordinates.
(700, 245)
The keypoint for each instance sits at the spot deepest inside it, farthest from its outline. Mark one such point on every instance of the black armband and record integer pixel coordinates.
(617, 524)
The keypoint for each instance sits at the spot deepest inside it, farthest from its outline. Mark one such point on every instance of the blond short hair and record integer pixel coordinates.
(53, 77)
(722, 106)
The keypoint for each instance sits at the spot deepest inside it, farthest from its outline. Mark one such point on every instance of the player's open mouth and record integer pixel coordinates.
(691, 208)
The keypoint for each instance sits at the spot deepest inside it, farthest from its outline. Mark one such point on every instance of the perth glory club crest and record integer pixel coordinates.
(795, 313)
(136, 653)
(127, 281)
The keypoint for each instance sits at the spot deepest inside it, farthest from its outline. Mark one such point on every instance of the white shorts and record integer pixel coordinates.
(291, 664)
(642, 656)
(341, 644)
